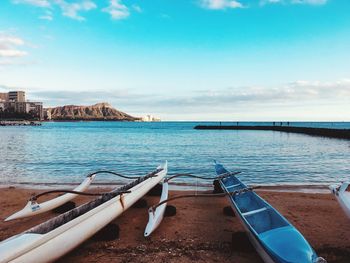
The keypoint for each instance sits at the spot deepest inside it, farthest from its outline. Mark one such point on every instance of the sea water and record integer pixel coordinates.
(64, 152)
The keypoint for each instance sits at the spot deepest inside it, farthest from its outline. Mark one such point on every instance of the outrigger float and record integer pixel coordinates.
(57, 236)
(274, 238)
(34, 208)
(342, 194)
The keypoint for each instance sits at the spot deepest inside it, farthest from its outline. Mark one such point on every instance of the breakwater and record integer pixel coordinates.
(324, 132)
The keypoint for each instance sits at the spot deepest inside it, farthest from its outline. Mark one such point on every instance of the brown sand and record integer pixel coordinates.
(199, 232)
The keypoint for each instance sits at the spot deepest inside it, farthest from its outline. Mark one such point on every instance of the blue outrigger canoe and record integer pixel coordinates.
(274, 238)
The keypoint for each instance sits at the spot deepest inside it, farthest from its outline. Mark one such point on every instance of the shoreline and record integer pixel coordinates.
(198, 232)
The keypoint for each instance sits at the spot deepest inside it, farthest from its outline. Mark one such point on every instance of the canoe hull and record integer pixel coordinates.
(273, 237)
(258, 247)
(58, 242)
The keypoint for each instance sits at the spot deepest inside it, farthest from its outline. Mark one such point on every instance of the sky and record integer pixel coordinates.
(234, 60)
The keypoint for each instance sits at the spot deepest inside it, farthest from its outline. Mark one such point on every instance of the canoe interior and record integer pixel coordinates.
(76, 212)
(258, 213)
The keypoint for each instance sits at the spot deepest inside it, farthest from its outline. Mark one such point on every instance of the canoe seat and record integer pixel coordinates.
(248, 201)
(254, 211)
(263, 220)
(232, 186)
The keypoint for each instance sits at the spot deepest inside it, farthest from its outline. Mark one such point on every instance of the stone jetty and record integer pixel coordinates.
(324, 132)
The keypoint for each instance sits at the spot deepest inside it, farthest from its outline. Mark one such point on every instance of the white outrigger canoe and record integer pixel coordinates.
(274, 238)
(155, 216)
(33, 208)
(342, 194)
(57, 236)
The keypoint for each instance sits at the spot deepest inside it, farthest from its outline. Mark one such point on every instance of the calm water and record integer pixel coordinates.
(65, 152)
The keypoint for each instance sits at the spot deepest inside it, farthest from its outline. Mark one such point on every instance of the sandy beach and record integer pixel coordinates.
(199, 231)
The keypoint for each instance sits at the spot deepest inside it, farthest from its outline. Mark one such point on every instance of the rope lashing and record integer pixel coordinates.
(114, 173)
(237, 192)
(35, 197)
(200, 177)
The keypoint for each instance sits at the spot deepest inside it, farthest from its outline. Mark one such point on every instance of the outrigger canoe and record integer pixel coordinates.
(342, 194)
(274, 238)
(33, 208)
(57, 236)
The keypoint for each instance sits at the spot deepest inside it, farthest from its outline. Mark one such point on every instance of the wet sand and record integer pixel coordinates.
(199, 231)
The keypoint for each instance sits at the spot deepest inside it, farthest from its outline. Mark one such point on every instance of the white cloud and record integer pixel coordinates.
(117, 10)
(72, 9)
(9, 47)
(11, 50)
(69, 8)
(47, 16)
(10, 40)
(137, 8)
(12, 53)
(40, 3)
(220, 4)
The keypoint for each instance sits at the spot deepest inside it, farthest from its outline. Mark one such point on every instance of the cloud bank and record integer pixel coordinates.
(292, 100)
(73, 8)
(118, 10)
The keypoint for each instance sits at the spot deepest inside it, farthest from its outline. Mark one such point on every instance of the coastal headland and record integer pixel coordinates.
(99, 111)
(199, 231)
(324, 132)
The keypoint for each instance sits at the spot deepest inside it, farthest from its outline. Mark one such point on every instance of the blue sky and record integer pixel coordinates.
(182, 60)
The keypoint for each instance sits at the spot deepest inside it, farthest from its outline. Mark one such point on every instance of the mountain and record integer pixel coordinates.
(99, 111)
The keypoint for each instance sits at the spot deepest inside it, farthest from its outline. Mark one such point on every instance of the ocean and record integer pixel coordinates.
(60, 153)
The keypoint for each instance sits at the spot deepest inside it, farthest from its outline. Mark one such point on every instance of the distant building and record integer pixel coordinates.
(15, 101)
(47, 114)
(21, 107)
(17, 96)
(36, 108)
(149, 118)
